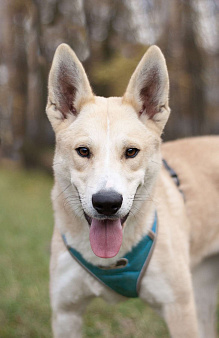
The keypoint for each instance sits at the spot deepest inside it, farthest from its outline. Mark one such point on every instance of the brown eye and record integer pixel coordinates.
(83, 151)
(131, 152)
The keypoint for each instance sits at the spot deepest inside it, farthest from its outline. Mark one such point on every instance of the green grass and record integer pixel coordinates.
(26, 223)
(131, 319)
(26, 228)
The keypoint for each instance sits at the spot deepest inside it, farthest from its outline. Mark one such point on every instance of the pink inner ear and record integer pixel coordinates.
(150, 111)
(66, 95)
(72, 109)
(65, 91)
(142, 110)
(149, 94)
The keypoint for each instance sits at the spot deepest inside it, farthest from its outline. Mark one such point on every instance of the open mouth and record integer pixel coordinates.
(106, 235)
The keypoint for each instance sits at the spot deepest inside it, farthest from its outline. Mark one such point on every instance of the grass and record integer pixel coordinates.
(26, 227)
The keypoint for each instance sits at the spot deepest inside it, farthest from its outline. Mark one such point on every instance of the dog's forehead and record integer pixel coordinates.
(111, 113)
(104, 121)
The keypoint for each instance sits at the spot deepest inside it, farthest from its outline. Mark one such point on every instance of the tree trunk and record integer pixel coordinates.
(14, 90)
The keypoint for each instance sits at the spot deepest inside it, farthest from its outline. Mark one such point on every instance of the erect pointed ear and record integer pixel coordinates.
(148, 88)
(69, 88)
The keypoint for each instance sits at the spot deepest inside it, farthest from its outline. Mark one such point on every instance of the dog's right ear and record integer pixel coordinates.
(69, 88)
(148, 89)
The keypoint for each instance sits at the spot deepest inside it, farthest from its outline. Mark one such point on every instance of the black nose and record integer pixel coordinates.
(107, 202)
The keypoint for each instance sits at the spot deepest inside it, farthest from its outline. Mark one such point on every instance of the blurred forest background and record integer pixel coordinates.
(109, 37)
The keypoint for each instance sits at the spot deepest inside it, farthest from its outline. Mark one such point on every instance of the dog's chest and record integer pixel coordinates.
(155, 288)
(73, 285)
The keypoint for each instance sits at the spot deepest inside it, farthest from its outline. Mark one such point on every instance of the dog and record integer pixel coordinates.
(112, 192)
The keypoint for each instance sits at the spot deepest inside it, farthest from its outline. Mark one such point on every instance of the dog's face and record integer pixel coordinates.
(108, 150)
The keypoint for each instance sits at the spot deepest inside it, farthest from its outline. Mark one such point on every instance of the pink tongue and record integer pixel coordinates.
(106, 237)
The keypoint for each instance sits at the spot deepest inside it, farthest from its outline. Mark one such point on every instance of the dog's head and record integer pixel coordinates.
(108, 149)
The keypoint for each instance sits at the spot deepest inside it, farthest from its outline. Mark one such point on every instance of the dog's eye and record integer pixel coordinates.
(131, 152)
(83, 151)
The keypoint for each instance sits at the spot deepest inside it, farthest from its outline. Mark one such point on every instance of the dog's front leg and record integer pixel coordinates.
(181, 319)
(67, 323)
(170, 292)
(70, 293)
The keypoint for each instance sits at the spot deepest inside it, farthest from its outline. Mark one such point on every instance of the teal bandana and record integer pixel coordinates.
(125, 275)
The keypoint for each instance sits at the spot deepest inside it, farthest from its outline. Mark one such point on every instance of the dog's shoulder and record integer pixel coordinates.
(196, 162)
(194, 159)
(190, 147)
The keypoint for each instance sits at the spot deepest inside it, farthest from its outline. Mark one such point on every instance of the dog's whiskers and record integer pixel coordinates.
(158, 163)
(56, 163)
(63, 191)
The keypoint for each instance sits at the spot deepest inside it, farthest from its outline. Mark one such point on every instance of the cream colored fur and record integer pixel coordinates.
(182, 278)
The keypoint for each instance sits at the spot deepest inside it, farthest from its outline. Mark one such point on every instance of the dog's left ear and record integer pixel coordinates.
(148, 88)
(68, 88)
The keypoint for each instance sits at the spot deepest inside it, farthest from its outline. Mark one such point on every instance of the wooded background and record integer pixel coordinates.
(109, 37)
